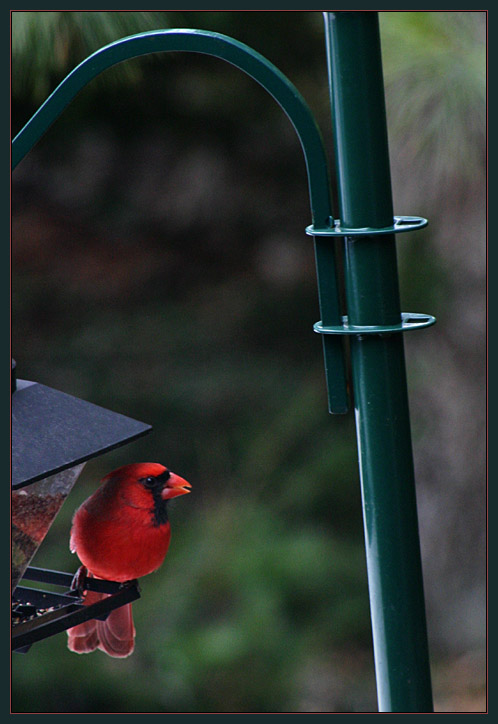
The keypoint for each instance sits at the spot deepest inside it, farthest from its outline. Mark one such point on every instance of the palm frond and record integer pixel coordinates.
(47, 45)
(435, 73)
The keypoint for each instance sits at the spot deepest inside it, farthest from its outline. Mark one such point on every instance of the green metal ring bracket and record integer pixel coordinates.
(401, 223)
(409, 321)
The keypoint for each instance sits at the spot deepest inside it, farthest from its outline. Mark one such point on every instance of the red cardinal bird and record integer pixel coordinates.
(120, 533)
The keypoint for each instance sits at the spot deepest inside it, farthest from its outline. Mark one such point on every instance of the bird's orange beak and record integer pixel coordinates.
(175, 486)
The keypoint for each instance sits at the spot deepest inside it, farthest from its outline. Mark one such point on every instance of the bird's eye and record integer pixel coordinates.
(149, 481)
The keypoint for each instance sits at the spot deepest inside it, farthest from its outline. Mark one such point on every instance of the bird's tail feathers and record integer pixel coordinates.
(115, 636)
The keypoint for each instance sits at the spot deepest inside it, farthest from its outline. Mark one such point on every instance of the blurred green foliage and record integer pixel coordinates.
(160, 269)
(46, 45)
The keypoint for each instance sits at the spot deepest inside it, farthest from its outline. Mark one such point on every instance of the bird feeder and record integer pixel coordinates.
(53, 435)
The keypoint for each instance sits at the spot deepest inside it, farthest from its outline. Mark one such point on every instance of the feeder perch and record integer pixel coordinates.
(53, 435)
(38, 614)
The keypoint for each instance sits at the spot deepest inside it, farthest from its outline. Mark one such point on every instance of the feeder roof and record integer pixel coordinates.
(53, 431)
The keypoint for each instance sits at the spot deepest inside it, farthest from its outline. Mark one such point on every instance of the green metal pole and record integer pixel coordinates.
(378, 365)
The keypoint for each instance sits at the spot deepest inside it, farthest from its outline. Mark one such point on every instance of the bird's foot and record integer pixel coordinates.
(79, 579)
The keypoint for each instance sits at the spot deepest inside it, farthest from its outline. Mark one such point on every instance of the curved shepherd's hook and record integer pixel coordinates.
(291, 101)
(209, 43)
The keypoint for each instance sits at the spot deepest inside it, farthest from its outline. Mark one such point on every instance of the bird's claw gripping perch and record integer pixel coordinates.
(79, 580)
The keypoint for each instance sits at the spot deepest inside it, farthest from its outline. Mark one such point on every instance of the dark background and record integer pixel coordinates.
(160, 269)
